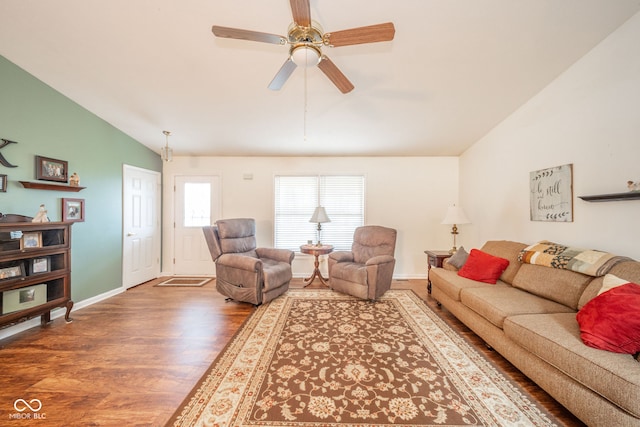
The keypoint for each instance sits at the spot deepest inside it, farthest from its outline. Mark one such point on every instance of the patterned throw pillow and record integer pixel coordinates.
(610, 281)
(483, 267)
(459, 258)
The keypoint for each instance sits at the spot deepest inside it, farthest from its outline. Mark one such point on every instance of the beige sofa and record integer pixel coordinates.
(529, 317)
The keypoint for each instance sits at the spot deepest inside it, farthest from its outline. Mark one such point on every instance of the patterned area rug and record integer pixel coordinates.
(317, 357)
(185, 281)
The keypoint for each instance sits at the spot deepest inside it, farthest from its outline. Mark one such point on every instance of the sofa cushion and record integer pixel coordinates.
(562, 286)
(496, 303)
(609, 281)
(611, 322)
(555, 338)
(449, 283)
(459, 258)
(508, 250)
(627, 270)
(483, 267)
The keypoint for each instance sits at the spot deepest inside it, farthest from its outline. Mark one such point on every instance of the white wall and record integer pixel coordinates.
(410, 194)
(590, 117)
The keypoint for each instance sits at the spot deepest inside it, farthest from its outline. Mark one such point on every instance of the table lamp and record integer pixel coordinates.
(319, 216)
(455, 215)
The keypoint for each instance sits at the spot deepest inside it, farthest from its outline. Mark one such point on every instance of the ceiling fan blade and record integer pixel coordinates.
(283, 75)
(301, 12)
(369, 34)
(235, 33)
(335, 75)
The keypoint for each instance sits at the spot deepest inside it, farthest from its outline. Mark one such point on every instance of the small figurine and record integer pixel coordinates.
(41, 216)
(74, 180)
(633, 186)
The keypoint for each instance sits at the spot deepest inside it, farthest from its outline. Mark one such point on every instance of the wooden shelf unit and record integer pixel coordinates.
(37, 279)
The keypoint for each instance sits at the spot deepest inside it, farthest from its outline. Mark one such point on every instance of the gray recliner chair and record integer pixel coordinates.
(367, 270)
(245, 272)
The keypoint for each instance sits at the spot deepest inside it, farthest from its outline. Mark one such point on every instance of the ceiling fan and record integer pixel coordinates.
(306, 40)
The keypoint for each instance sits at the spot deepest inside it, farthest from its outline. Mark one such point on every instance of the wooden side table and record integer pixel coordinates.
(434, 259)
(316, 251)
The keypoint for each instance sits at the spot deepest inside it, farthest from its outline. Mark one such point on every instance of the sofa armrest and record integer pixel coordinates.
(341, 256)
(281, 255)
(241, 262)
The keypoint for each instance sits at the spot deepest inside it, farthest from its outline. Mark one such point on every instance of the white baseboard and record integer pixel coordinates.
(398, 277)
(58, 312)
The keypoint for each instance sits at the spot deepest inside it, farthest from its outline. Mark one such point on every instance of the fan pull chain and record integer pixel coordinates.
(304, 130)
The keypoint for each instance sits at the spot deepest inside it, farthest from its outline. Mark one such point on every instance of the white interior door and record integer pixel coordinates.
(141, 225)
(197, 203)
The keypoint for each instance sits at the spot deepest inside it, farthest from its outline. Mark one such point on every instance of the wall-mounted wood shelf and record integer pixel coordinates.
(631, 195)
(54, 187)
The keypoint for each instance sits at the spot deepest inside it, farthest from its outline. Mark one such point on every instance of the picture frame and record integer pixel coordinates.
(39, 265)
(12, 271)
(48, 169)
(31, 239)
(73, 210)
(551, 194)
(3, 183)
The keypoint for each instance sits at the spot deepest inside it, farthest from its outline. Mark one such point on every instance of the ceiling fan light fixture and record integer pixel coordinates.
(305, 55)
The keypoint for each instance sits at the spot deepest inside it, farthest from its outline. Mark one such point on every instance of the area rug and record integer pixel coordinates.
(185, 281)
(317, 357)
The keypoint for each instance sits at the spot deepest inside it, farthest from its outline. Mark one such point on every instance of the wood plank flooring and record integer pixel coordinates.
(131, 360)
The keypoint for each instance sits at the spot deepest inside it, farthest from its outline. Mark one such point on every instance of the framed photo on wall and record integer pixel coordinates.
(73, 210)
(48, 169)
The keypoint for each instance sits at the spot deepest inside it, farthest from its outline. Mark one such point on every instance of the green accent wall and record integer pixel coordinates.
(46, 123)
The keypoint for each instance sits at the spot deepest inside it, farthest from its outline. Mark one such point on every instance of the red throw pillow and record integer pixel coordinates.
(483, 267)
(611, 321)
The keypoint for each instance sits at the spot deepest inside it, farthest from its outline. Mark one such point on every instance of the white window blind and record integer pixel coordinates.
(296, 197)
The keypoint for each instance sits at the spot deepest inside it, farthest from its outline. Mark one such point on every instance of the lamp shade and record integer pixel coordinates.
(319, 215)
(455, 215)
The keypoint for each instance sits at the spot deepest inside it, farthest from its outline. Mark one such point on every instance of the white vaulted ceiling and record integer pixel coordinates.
(455, 69)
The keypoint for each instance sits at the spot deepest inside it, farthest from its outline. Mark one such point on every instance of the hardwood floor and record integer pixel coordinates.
(131, 360)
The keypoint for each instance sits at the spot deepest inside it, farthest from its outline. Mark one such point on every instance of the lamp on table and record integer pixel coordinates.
(319, 216)
(455, 216)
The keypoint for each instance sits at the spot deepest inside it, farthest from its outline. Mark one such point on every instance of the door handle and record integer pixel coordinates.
(131, 234)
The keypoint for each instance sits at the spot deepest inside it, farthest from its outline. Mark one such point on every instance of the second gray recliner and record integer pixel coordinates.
(367, 270)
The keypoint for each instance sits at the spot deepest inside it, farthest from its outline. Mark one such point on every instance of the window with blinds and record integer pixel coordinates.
(296, 197)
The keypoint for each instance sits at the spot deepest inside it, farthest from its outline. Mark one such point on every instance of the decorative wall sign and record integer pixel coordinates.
(3, 183)
(4, 161)
(551, 194)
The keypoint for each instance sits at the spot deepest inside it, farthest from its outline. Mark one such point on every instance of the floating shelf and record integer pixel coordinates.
(54, 187)
(631, 195)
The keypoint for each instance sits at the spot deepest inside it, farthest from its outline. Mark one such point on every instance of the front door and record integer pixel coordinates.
(197, 203)
(140, 225)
